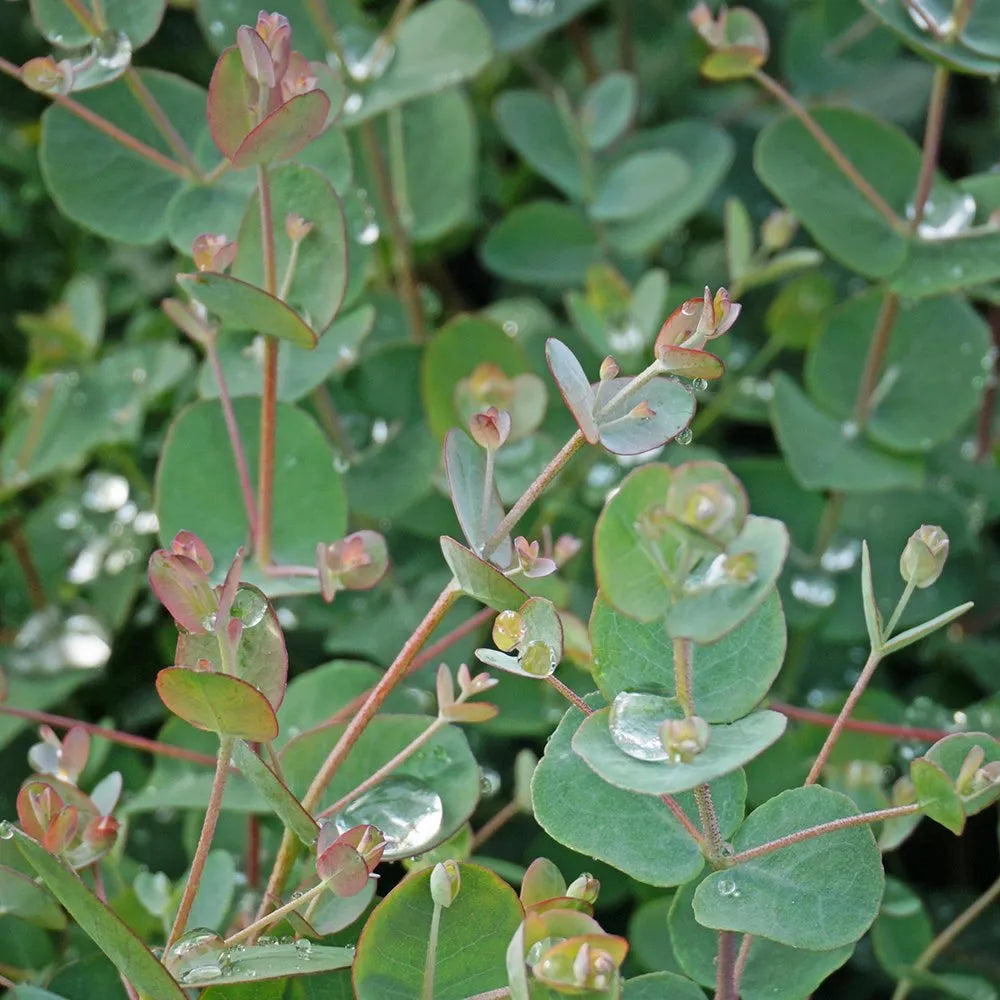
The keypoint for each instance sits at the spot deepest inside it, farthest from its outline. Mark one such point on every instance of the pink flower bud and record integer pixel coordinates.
(532, 564)
(490, 429)
(257, 60)
(48, 76)
(296, 227)
(213, 252)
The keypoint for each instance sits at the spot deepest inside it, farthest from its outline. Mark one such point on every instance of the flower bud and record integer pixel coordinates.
(47, 76)
(685, 738)
(446, 880)
(257, 61)
(609, 369)
(585, 887)
(532, 564)
(356, 562)
(924, 557)
(777, 230)
(565, 548)
(296, 227)
(987, 775)
(213, 252)
(697, 321)
(967, 772)
(491, 428)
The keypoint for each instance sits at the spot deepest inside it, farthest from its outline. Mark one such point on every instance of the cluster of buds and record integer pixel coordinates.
(696, 321)
(559, 945)
(684, 739)
(490, 429)
(974, 776)
(356, 562)
(517, 402)
(456, 709)
(268, 59)
(68, 823)
(532, 564)
(179, 578)
(47, 75)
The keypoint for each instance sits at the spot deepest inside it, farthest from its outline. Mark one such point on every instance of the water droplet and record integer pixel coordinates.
(947, 212)
(6, 830)
(303, 947)
(68, 518)
(849, 430)
(87, 565)
(684, 436)
(110, 54)
(538, 659)
(208, 623)
(380, 431)
(368, 233)
(489, 782)
(370, 65)
(216, 28)
(249, 606)
(406, 810)
(627, 339)
(532, 8)
(198, 955)
(634, 723)
(815, 589)
(105, 492)
(727, 887)
(931, 16)
(699, 384)
(146, 523)
(352, 104)
(510, 328)
(756, 388)
(841, 556)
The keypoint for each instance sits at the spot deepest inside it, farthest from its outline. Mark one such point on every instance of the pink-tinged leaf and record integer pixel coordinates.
(61, 831)
(542, 880)
(573, 385)
(285, 131)
(691, 363)
(229, 585)
(256, 58)
(187, 543)
(75, 750)
(246, 307)
(106, 792)
(342, 868)
(366, 839)
(217, 703)
(261, 655)
(230, 94)
(37, 805)
(183, 588)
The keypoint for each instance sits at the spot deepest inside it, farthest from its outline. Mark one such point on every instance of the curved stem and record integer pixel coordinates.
(569, 694)
(499, 819)
(845, 713)
(114, 735)
(863, 819)
(531, 494)
(832, 150)
(204, 841)
(161, 122)
(876, 354)
(859, 725)
(945, 938)
(932, 143)
(257, 926)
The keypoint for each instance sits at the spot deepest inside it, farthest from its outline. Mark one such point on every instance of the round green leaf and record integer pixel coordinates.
(320, 279)
(445, 764)
(657, 985)
(903, 928)
(801, 174)
(635, 833)
(826, 453)
(274, 960)
(247, 307)
(197, 487)
(628, 573)
(480, 579)
(542, 243)
(821, 893)
(608, 107)
(671, 404)
(731, 676)
(932, 375)
(472, 939)
(936, 795)
(957, 54)
(139, 19)
(773, 971)
(634, 185)
(217, 703)
(114, 191)
(707, 615)
(936, 266)
(456, 350)
(729, 748)
(261, 658)
(542, 134)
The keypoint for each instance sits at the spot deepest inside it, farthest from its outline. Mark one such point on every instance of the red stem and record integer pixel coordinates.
(22, 552)
(860, 725)
(232, 429)
(103, 125)
(116, 736)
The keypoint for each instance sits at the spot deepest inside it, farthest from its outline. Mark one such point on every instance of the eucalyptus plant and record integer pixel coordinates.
(351, 458)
